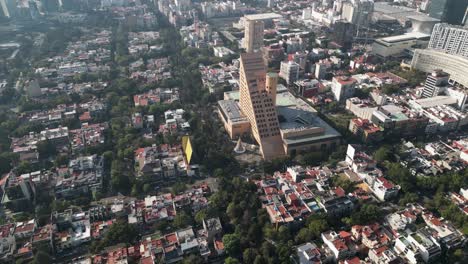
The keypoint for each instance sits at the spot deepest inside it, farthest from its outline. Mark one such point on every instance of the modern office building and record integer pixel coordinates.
(258, 102)
(289, 71)
(253, 35)
(450, 11)
(435, 82)
(450, 39)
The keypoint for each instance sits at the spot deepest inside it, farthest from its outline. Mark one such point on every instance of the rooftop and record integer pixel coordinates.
(263, 16)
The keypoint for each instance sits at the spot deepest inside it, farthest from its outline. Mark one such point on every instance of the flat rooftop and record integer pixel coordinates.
(436, 101)
(405, 37)
(263, 16)
(299, 116)
(232, 111)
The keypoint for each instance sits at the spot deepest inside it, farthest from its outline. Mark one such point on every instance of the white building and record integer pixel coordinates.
(396, 45)
(289, 71)
(343, 87)
(450, 39)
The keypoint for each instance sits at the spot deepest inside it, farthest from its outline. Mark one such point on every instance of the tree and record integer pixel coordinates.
(368, 214)
(234, 211)
(146, 188)
(303, 236)
(230, 260)
(179, 187)
(317, 226)
(200, 215)
(232, 244)
(193, 259)
(42, 257)
(249, 255)
(120, 232)
(382, 154)
(182, 220)
(390, 89)
(347, 185)
(46, 149)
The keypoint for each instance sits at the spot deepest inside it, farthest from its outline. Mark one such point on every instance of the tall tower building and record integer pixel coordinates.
(450, 39)
(258, 102)
(253, 35)
(450, 11)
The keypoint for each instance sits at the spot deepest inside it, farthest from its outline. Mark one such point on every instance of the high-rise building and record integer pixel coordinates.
(450, 39)
(253, 35)
(343, 34)
(257, 101)
(289, 71)
(358, 12)
(435, 82)
(450, 11)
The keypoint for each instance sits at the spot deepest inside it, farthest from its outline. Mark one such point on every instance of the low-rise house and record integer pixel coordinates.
(212, 227)
(371, 236)
(25, 230)
(72, 230)
(384, 255)
(309, 253)
(429, 248)
(83, 175)
(409, 251)
(340, 244)
(444, 232)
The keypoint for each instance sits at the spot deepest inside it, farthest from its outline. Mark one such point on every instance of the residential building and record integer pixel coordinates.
(289, 71)
(450, 39)
(371, 236)
(340, 244)
(444, 232)
(384, 255)
(382, 188)
(308, 88)
(365, 130)
(18, 193)
(361, 108)
(343, 87)
(83, 176)
(427, 245)
(408, 250)
(72, 230)
(309, 253)
(435, 83)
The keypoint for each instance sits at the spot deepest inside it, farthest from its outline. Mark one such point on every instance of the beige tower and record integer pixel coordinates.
(253, 35)
(257, 102)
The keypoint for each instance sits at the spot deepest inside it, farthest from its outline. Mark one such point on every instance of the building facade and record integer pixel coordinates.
(450, 39)
(253, 35)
